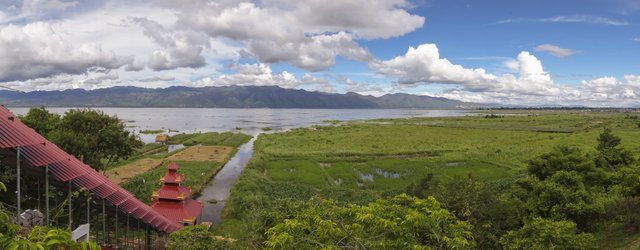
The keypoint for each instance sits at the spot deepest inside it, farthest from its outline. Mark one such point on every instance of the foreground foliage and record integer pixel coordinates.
(542, 233)
(38, 238)
(400, 222)
(196, 237)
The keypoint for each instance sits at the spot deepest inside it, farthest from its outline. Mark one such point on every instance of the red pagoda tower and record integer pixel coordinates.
(174, 201)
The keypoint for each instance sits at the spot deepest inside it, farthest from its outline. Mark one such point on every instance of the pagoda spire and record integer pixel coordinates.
(174, 200)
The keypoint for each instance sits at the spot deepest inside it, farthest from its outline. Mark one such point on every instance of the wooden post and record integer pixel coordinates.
(46, 190)
(89, 210)
(39, 194)
(117, 240)
(148, 238)
(138, 234)
(18, 179)
(126, 233)
(104, 224)
(70, 208)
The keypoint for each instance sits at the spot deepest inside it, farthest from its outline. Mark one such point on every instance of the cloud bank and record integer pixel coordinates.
(60, 44)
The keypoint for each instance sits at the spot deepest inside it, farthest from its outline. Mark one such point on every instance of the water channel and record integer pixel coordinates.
(215, 195)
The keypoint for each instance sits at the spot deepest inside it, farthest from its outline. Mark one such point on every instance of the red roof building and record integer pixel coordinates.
(174, 200)
(38, 152)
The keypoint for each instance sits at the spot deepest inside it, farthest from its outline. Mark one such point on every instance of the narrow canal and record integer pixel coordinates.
(215, 195)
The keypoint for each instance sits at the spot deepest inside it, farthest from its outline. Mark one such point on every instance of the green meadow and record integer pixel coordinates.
(360, 161)
(395, 153)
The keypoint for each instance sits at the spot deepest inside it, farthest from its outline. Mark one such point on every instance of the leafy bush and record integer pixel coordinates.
(197, 237)
(400, 222)
(542, 233)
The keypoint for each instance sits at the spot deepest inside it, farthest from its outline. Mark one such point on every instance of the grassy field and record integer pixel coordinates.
(152, 131)
(357, 162)
(211, 138)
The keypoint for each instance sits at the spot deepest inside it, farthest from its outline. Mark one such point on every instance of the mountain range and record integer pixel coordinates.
(223, 97)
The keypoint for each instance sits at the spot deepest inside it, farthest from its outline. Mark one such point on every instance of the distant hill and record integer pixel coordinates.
(222, 97)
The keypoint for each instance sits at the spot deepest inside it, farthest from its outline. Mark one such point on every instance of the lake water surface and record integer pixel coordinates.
(250, 121)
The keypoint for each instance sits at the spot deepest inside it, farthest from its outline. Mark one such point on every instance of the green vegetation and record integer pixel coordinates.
(547, 234)
(197, 175)
(38, 238)
(197, 237)
(96, 138)
(151, 148)
(211, 138)
(535, 174)
(152, 131)
(400, 222)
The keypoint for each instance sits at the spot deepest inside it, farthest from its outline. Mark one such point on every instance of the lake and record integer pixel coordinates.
(249, 121)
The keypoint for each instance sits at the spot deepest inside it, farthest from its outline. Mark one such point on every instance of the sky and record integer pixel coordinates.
(559, 52)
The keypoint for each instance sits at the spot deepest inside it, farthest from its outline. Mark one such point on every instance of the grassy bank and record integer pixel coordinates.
(211, 138)
(152, 131)
(358, 162)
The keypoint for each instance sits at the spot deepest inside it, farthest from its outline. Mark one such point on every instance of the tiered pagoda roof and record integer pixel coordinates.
(172, 175)
(173, 200)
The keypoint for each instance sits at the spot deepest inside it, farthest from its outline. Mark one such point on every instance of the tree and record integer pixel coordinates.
(400, 222)
(476, 202)
(565, 184)
(565, 196)
(41, 120)
(197, 237)
(610, 153)
(542, 233)
(93, 136)
(565, 158)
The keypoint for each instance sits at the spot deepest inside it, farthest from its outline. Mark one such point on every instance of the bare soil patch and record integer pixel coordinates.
(123, 173)
(202, 153)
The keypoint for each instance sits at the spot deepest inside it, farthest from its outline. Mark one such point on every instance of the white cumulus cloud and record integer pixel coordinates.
(533, 85)
(424, 65)
(36, 50)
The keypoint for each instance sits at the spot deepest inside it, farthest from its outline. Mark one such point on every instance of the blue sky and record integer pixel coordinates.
(499, 51)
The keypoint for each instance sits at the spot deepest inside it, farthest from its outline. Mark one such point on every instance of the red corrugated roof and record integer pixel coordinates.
(174, 192)
(14, 133)
(172, 177)
(40, 152)
(43, 153)
(178, 211)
